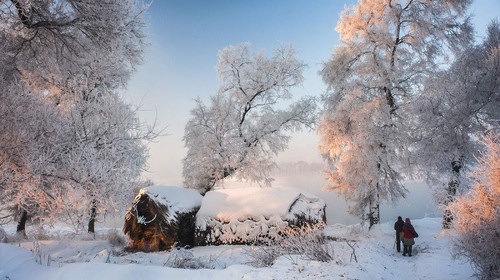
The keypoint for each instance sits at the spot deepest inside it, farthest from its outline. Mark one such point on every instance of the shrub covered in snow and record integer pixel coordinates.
(185, 259)
(263, 256)
(40, 233)
(114, 238)
(478, 214)
(308, 241)
(254, 215)
(162, 216)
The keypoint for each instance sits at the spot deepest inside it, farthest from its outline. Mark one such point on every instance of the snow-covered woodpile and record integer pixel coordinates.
(161, 216)
(254, 215)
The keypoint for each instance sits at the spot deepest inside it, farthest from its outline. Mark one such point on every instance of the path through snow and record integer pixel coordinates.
(377, 259)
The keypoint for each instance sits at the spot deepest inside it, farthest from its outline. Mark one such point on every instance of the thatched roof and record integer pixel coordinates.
(177, 199)
(161, 216)
(245, 215)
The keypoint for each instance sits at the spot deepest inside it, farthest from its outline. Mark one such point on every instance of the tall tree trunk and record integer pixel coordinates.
(374, 212)
(389, 98)
(21, 226)
(451, 191)
(93, 210)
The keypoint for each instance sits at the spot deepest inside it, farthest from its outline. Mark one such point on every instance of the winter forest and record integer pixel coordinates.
(238, 140)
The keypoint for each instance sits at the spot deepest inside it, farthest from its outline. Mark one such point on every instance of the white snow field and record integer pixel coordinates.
(79, 257)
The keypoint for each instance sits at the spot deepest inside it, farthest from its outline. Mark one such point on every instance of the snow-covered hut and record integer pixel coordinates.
(254, 215)
(161, 216)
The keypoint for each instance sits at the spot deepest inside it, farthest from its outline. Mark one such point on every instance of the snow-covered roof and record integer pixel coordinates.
(178, 199)
(254, 203)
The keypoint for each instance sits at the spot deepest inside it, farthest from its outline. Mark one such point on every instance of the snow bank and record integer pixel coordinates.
(249, 214)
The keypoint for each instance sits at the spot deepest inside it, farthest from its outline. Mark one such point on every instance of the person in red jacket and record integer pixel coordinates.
(409, 234)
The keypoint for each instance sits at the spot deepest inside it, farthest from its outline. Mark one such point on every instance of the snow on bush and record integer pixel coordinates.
(40, 233)
(249, 215)
(264, 256)
(185, 259)
(308, 242)
(478, 214)
(114, 238)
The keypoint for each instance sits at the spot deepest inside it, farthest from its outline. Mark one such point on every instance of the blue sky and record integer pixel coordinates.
(184, 39)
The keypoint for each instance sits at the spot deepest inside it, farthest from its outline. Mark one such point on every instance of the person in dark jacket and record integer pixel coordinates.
(409, 234)
(398, 227)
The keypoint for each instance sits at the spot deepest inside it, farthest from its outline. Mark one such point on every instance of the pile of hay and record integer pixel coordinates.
(160, 217)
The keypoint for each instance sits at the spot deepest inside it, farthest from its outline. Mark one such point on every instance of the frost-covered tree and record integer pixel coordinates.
(76, 140)
(107, 152)
(44, 41)
(388, 48)
(85, 158)
(245, 123)
(32, 143)
(478, 213)
(457, 107)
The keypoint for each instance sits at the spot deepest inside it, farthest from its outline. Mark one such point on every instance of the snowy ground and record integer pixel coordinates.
(79, 257)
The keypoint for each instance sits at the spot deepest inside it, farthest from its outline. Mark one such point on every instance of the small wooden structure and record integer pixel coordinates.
(254, 215)
(160, 217)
